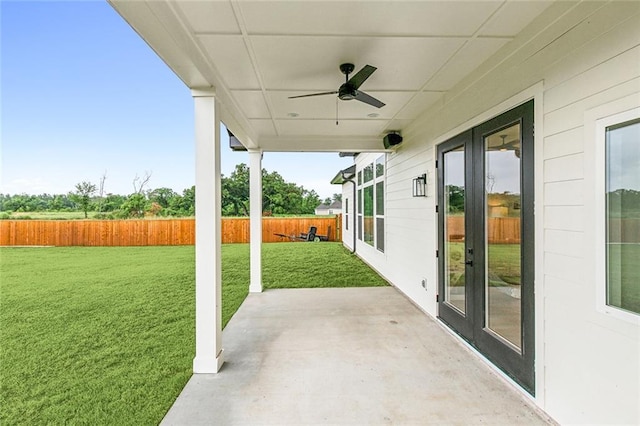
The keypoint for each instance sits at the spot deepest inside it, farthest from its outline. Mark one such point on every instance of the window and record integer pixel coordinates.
(368, 214)
(370, 204)
(346, 214)
(622, 192)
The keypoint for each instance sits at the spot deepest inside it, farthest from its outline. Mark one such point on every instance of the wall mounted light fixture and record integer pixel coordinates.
(420, 186)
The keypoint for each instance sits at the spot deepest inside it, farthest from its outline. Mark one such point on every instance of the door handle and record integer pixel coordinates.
(469, 262)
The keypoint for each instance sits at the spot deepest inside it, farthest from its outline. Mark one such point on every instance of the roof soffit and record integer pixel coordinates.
(257, 54)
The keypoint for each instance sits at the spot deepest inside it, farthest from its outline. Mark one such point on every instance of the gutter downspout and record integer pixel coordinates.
(353, 215)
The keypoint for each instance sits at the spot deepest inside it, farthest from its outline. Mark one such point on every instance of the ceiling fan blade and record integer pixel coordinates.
(314, 94)
(368, 99)
(360, 77)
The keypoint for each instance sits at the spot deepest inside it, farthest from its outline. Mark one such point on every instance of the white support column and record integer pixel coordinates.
(208, 357)
(255, 202)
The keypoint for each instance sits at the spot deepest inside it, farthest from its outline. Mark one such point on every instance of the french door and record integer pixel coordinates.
(486, 240)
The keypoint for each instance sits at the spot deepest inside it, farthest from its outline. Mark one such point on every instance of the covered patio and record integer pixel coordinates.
(457, 79)
(346, 356)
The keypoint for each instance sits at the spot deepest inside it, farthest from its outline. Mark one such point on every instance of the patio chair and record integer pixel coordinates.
(309, 236)
(312, 235)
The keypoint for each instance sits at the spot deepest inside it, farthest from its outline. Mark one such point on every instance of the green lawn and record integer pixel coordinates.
(47, 215)
(105, 335)
(504, 264)
(624, 276)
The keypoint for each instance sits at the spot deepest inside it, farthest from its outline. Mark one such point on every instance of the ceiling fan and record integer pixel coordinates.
(509, 146)
(349, 90)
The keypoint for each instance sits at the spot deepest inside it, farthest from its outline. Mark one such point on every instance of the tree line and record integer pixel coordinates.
(278, 197)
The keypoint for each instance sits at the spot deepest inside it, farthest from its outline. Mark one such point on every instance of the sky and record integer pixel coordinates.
(82, 96)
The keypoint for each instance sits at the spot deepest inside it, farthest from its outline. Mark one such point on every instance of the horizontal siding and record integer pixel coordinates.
(572, 115)
(567, 243)
(564, 143)
(566, 268)
(569, 167)
(565, 193)
(593, 81)
(569, 218)
(592, 42)
(586, 54)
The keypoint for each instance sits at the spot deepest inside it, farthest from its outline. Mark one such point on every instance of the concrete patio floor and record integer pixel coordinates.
(346, 356)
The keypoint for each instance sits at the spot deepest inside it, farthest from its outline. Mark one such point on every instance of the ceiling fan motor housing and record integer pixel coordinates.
(347, 92)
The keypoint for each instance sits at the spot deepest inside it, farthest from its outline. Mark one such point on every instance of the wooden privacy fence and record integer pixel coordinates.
(506, 230)
(149, 232)
(501, 230)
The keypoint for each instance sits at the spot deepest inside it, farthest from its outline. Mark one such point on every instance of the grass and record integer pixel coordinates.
(504, 264)
(49, 215)
(624, 276)
(105, 335)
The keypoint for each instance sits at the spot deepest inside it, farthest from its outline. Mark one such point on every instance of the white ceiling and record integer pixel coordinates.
(258, 53)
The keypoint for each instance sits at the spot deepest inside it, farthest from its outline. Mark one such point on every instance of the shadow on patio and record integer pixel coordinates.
(345, 356)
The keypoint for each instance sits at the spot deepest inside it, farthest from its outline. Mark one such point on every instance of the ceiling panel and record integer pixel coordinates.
(252, 103)
(474, 53)
(325, 106)
(329, 128)
(396, 125)
(432, 18)
(214, 17)
(263, 127)
(404, 63)
(513, 17)
(230, 56)
(261, 52)
(419, 103)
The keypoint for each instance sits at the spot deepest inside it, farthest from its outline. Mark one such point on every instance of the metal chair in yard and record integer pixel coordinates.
(312, 235)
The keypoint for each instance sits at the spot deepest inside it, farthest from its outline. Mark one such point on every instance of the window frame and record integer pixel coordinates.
(600, 213)
(379, 179)
(363, 183)
(346, 213)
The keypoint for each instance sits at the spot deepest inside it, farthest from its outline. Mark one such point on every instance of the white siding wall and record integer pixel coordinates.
(572, 59)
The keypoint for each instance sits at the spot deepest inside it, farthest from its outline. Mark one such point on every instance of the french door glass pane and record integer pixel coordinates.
(454, 229)
(502, 234)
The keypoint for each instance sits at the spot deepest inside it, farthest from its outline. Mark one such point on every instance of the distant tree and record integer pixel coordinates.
(100, 202)
(455, 196)
(113, 202)
(82, 196)
(134, 206)
(162, 196)
(310, 201)
(184, 205)
(337, 197)
(140, 182)
(235, 192)
(279, 197)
